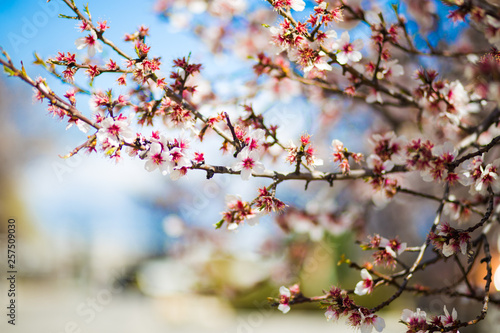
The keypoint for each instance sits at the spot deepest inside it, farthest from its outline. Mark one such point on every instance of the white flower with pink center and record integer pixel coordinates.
(115, 131)
(460, 99)
(374, 96)
(349, 52)
(369, 322)
(158, 159)
(365, 286)
(321, 64)
(489, 176)
(390, 69)
(90, 42)
(285, 295)
(448, 319)
(179, 158)
(375, 163)
(254, 139)
(249, 162)
(493, 30)
(414, 319)
(393, 247)
(297, 5)
(331, 314)
(82, 126)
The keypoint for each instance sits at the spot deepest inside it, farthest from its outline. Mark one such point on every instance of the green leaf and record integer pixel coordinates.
(219, 224)
(86, 7)
(23, 70)
(395, 7)
(68, 17)
(9, 71)
(343, 260)
(39, 61)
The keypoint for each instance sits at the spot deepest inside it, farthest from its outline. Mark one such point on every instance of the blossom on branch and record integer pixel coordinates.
(248, 163)
(348, 51)
(415, 321)
(365, 286)
(370, 322)
(115, 131)
(285, 295)
(238, 212)
(157, 158)
(450, 240)
(90, 42)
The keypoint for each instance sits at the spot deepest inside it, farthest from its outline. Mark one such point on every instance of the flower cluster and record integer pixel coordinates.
(313, 56)
(387, 249)
(169, 156)
(444, 100)
(479, 176)
(115, 131)
(306, 150)
(238, 212)
(287, 296)
(450, 240)
(341, 154)
(267, 202)
(340, 305)
(297, 5)
(417, 322)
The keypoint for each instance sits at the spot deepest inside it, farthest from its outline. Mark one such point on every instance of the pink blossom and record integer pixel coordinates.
(90, 42)
(447, 319)
(374, 96)
(179, 157)
(332, 314)
(348, 52)
(199, 158)
(249, 162)
(378, 166)
(239, 211)
(285, 295)
(297, 5)
(102, 25)
(157, 158)
(310, 60)
(450, 240)
(285, 37)
(394, 247)
(115, 131)
(365, 286)
(254, 139)
(416, 321)
(390, 69)
(82, 126)
(370, 322)
(388, 146)
(489, 176)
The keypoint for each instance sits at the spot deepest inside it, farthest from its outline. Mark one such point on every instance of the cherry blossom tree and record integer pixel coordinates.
(430, 106)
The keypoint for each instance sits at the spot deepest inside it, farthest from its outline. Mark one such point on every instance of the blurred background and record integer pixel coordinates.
(110, 247)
